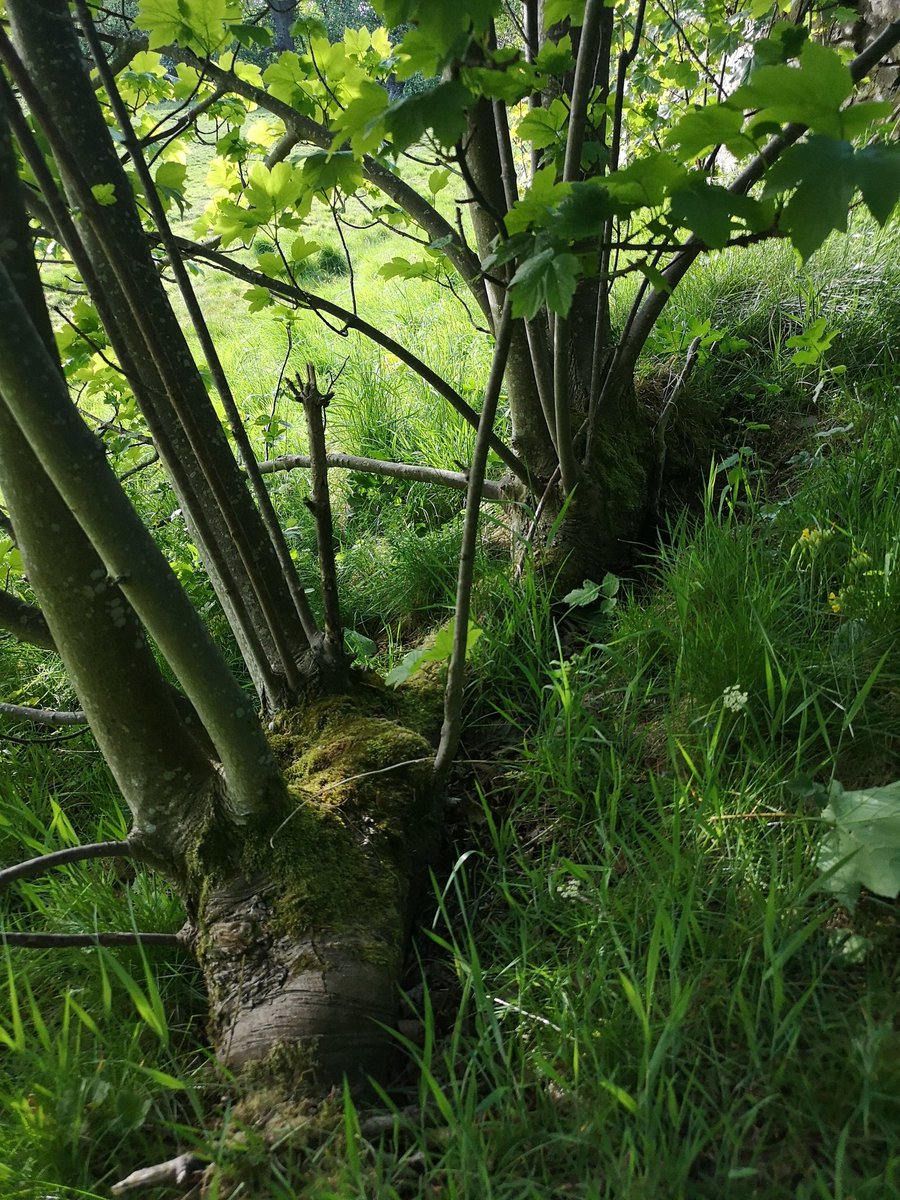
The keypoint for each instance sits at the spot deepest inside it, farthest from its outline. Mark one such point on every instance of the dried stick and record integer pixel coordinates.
(314, 404)
(178, 1171)
(61, 858)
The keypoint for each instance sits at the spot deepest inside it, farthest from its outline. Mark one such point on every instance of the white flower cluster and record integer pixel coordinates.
(570, 890)
(733, 698)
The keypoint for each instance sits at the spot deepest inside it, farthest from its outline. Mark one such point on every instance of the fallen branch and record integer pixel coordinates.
(61, 858)
(58, 941)
(42, 716)
(178, 1171)
(377, 466)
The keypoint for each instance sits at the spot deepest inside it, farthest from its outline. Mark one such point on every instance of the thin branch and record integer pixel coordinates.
(61, 858)
(59, 941)
(376, 466)
(452, 725)
(42, 716)
(138, 467)
(316, 304)
(220, 379)
(582, 87)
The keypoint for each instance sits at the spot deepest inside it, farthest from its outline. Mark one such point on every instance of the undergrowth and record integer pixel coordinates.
(630, 983)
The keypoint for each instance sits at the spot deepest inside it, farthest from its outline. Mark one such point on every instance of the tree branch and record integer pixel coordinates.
(314, 404)
(376, 466)
(642, 319)
(220, 379)
(61, 858)
(41, 716)
(316, 303)
(25, 622)
(60, 941)
(450, 729)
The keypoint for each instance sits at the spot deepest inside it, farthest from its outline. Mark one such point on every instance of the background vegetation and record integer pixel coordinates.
(629, 980)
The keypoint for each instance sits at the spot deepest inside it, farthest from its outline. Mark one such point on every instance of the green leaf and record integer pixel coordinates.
(547, 278)
(535, 207)
(822, 172)
(556, 11)
(811, 94)
(707, 210)
(323, 171)
(584, 211)
(858, 119)
(362, 121)
(442, 111)
(703, 128)
(252, 35)
(647, 180)
(104, 194)
(878, 178)
(439, 651)
(544, 126)
(867, 829)
(198, 25)
(258, 298)
(438, 180)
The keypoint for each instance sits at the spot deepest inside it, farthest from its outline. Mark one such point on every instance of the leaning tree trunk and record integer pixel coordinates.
(296, 853)
(303, 916)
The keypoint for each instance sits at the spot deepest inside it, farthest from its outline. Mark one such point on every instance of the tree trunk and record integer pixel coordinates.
(284, 13)
(303, 917)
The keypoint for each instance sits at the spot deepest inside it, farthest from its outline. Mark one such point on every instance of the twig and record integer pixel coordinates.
(314, 404)
(42, 716)
(39, 740)
(60, 941)
(376, 466)
(60, 858)
(147, 462)
(453, 696)
(533, 527)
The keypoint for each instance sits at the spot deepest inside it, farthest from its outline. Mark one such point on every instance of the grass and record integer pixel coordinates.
(629, 981)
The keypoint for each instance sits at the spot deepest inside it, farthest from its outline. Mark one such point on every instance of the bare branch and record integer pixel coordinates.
(42, 716)
(25, 622)
(455, 676)
(62, 858)
(60, 941)
(376, 466)
(318, 304)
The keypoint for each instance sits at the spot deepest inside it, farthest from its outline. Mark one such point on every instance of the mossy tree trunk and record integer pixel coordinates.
(296, 849)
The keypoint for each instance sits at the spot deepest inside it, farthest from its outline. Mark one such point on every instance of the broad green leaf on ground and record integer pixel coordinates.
(439, 651)
(548, 277)
(863, 848)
